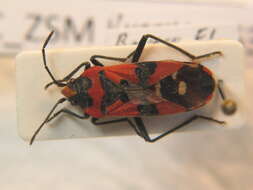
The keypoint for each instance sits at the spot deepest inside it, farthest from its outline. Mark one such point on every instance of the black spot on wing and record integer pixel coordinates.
(199, 85)
(199, 81)
(144, 70)
(169, 91)
(113, 92)
(149, 109)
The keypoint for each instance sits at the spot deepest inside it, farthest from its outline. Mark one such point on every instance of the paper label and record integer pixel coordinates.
(103, 23)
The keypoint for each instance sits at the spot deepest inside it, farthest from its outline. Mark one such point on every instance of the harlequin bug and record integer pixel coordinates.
(135, 88)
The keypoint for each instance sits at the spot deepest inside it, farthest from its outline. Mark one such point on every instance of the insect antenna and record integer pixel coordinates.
(60, 84)
(47, 119)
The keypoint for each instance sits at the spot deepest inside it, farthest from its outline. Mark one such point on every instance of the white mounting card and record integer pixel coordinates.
(34, 103)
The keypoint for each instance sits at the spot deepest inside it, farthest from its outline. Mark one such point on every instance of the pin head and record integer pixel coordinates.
(229, 107)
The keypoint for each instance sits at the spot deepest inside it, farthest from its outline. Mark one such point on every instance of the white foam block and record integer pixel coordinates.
(34, 103)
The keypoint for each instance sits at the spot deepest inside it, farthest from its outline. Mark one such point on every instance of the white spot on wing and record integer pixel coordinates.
(174, 76)
(182, 87)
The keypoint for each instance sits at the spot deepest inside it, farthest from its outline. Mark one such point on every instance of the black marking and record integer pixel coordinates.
(148, 110)
(144, 70)
(113, 92)
(169, 91)
(124, 83)
(124, 97)
(80, 86)
(198, 80)
(199, 85)
(81, 99)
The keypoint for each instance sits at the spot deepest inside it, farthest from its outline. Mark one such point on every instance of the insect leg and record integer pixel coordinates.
(208, 56)
(96, 122)
(197, 59)
(69, 112)
(66, 78)
(143, 42)
(49, 117)
(228, 106)
(96, 62)
(141, 126)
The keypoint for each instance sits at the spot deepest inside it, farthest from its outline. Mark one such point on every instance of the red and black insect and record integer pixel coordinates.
(134, 89)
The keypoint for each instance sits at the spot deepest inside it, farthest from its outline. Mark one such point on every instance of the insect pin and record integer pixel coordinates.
(138, 88)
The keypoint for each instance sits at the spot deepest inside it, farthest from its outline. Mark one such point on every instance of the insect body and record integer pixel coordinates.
(134, 89)
(143, 88)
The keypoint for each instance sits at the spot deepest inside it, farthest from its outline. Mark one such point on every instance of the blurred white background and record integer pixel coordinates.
(215, 160)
